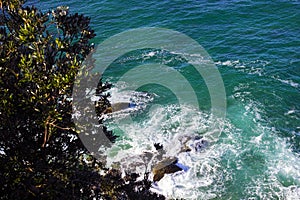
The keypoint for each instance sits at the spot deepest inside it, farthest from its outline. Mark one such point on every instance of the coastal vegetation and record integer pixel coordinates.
(41, 155)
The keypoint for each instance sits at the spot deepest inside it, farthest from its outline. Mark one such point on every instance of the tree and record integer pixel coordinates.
(41, 155)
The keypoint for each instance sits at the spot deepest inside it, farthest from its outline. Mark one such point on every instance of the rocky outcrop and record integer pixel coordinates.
(171, 165)
(118, 107)
(166, 166)
(158, 160)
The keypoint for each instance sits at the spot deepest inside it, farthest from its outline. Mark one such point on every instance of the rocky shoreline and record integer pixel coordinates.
(160, 165)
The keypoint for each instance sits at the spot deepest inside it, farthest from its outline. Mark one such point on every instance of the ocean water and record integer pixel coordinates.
(255, 45)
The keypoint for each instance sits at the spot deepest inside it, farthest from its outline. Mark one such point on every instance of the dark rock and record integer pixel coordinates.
(158, 146)
(198, 137)
(166, 166)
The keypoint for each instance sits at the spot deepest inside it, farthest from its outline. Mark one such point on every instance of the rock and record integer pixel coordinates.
(166, 166)
(108, 110)
(171, 165)
(193, 143)
(200, 145)
(184, 140)
(158, 146)
(185, 148)
(118, 107)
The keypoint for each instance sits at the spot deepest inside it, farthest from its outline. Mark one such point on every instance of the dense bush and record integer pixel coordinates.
(40, 154)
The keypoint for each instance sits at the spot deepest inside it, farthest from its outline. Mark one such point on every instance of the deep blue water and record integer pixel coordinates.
(256, 47)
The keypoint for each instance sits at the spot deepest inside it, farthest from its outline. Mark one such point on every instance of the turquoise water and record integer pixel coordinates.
(255, 46)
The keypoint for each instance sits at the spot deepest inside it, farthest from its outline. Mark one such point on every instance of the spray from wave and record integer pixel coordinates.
(249, 160)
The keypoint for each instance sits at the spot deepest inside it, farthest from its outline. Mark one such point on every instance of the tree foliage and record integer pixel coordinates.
(40, 154)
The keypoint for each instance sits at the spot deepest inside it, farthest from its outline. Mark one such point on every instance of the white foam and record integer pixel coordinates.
(150, 54)
(223, 163)
(279, 170)
(165, 125)
(292, 111)
(288, 82)
(249, 67)
(256, 67)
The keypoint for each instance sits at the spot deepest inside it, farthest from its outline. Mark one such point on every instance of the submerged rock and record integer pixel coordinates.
(193, 143)
(198, 144)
